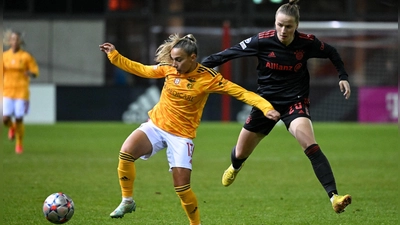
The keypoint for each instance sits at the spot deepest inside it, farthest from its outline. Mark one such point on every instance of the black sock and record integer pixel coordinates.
(236, 163)
(322, 169)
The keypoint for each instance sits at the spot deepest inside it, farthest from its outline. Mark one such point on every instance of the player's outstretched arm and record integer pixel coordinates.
(248, 97)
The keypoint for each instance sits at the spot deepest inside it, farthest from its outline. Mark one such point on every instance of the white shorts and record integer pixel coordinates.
(179, 150)
(15, 107)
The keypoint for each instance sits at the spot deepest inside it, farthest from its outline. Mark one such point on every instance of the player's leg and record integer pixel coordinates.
(136, 145)
(301, 128)
(7, 121)
(299, 124)
(256, 127)
(21, 109)
(19, 134)
(8, 112)
(247, 142)
(179, 154)
(184, 191)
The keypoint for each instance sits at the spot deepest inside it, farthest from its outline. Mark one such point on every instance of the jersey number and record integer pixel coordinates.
(297, 106)
(190, 149)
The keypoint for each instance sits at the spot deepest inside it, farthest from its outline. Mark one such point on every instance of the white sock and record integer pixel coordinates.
(128, 199)
(332, 198)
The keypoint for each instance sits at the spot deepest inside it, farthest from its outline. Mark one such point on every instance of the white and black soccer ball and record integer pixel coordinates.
(58, 208)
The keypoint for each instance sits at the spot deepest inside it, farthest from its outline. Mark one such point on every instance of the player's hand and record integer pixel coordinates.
(29, 74)
(345, 88)
(273, 115)
(107, 47)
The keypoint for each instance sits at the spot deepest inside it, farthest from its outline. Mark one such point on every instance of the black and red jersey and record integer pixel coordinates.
(283, 77)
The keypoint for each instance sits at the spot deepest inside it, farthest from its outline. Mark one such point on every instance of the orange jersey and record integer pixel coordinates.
(184, 96)
(16, 82)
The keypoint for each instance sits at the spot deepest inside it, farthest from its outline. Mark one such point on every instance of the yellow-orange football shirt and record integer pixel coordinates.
(184, 96)
(16, 82)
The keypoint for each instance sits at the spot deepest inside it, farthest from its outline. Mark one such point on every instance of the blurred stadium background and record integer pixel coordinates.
(77, 83)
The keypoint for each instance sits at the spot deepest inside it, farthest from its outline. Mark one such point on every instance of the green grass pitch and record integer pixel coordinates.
(276, 186)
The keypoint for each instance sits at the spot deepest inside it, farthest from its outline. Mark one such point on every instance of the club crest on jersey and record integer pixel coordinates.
(190, 83)
(177, 81)
(299, 54)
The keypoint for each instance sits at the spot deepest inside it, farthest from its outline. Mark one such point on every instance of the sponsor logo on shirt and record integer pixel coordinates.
(271, 55)
(277, 66)
(297, 67)
(180, 94)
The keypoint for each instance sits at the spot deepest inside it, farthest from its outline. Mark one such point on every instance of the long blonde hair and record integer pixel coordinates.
(290, 9)
(187, 43)
(7, 36)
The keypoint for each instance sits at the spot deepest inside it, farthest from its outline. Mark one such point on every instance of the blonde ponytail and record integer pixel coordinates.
(187, 43)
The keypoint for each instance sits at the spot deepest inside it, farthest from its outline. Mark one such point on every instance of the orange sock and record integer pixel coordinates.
(126, 173)
(19, 133)
(189, 203)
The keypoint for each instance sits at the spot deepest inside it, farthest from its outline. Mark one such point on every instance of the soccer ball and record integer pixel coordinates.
(58, 208)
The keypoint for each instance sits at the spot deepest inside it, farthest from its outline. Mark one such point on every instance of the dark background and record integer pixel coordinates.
(130, 25)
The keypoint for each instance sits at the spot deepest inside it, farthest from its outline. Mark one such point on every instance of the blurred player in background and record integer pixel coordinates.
(18, 67)
(174, 119)
(283, 79)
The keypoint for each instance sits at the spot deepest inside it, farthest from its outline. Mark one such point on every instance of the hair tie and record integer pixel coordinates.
(189, 37)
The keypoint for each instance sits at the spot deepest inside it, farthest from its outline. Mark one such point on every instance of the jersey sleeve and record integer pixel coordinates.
(136, 68)
(33, 66)
(220, 85)
(248, 47)
(323, 50)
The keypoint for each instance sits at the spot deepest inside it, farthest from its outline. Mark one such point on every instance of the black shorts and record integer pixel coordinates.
(258, 123)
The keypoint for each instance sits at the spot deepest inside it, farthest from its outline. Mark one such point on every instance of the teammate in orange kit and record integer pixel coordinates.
(175, 118)
(18, 67)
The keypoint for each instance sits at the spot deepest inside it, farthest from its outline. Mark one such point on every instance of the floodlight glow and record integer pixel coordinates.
(335, 24)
